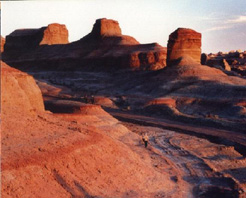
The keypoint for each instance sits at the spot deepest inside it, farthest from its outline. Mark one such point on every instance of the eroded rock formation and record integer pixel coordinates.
(106, 27)
(229, 61)
(29, 39)
(19, 92)
(105, 48)
(183, 42)
(55, 34)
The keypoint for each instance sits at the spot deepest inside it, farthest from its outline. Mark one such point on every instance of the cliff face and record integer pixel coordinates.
(104, 48)
(184, 42)
(54, 34)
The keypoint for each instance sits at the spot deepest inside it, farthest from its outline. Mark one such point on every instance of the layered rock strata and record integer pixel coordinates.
(183, 42)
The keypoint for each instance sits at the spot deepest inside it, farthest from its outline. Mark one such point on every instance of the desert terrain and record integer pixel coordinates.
(73, 116)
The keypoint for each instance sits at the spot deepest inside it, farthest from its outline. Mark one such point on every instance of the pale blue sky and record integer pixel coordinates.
(221, 22)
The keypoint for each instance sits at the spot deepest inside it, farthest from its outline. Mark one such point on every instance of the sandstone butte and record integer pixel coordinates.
(183, 42)
(107, 27)
(104, 48)
(27, 39)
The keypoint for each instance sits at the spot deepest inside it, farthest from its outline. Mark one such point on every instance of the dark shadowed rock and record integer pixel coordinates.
(73, 107)
(183, 42)
(232, 61)
(27, 39)
(204, 58)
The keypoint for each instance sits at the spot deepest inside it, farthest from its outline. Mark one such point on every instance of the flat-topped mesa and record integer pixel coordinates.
(108, 32)
(183, 42)
(55, 34)
(27, 39)
(106, 27)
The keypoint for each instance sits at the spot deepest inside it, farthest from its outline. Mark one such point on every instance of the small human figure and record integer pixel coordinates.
(86, 98)
(92, 99)
(145, 139)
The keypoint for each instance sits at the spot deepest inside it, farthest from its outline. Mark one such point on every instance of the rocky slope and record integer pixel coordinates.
(105, 48)
(79, 154)
(81, 150)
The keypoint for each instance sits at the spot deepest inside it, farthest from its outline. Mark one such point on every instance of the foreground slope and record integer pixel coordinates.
(69, 155)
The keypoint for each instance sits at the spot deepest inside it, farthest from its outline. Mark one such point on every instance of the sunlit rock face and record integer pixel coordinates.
(183, 42)
(55, 34)
(106, 27)
(2, 44)
(19, 92)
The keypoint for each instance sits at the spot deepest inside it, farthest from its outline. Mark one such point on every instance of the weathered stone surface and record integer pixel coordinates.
(183, 42)
(149, 56)
(19, 92)
(55, 34)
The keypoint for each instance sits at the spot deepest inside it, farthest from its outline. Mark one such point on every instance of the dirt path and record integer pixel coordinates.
(199, 167)
(228, 138)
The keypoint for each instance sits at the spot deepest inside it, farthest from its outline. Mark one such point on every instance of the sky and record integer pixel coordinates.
(221, 22)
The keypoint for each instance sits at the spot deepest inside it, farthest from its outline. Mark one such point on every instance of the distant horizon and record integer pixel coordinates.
(222, 23)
